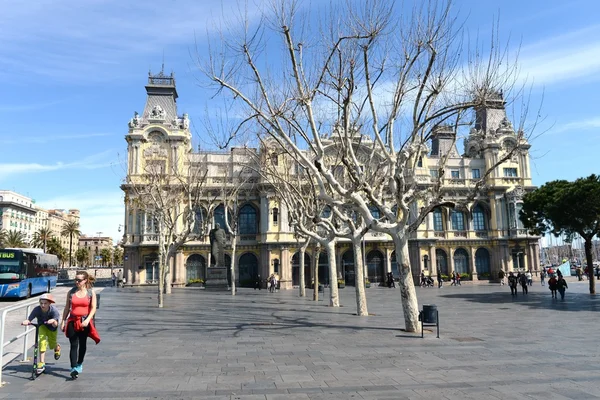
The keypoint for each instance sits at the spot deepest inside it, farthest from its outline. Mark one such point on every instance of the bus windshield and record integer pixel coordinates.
(10, 269)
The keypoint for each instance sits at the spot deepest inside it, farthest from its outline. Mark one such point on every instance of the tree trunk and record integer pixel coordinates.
(161, 266)
(334, 298)
(71, 250)
(301, 272)
(233, 264)
(408, 294)
(315, 274)
(361, 298)
(589, 258)
(168, 280)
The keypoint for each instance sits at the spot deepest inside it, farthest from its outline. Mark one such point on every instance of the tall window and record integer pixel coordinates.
(478, 218)
(433, 173)
(129, 227)
(275, 216)
(438, 221)
(461, 261)
(420, 162)
(458, 221)
(199, 218)
(247, 220)
(475, 173)
(455, 174)
(375, 213)
(510, 172)
(219, 216)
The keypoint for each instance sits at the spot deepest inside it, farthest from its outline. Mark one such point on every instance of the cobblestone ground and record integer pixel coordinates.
(257, 345)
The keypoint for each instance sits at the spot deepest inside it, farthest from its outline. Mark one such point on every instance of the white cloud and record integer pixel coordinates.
(94, 161)
(569, 56)
(99, 211)
(51, 138)
(580, 125)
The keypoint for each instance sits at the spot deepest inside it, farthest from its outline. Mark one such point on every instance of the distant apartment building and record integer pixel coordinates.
(57, 220)
(95, 245)
(17, 213)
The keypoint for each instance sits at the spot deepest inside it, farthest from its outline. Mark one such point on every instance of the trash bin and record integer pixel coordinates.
(429, 314)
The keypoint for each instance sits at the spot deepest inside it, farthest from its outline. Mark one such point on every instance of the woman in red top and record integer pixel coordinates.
(80, 309)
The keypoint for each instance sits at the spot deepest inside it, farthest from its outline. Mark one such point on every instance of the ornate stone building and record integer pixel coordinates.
(477, 240)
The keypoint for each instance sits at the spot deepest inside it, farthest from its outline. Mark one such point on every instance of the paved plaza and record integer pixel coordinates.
(267, 346)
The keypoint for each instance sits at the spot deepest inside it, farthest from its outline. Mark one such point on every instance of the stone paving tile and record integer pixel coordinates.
(492, 346)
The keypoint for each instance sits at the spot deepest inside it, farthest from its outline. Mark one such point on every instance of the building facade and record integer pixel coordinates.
(17, 213)
(478, 240)
(94, 246)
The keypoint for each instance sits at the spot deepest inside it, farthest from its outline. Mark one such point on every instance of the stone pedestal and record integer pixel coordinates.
(216, 279)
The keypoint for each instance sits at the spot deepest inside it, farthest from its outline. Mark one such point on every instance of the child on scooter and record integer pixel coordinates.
(47, 317)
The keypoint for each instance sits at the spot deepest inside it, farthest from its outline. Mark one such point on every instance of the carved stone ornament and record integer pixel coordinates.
(157, 112)
(155, 151)
(516, 194)
(185, 121)
(135, 121)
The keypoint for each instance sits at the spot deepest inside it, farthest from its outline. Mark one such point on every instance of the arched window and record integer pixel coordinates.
(438, 221)
(482, 261)
(441, 261)
(248, 265)
(375, 213)
(247, 220)
(348, 267)
(199, 218)
(458, 220)
(461, 261)
(219, 216)
(375, 266)
(194, 267)
(420, 162)
(275, 216)
(296, 269)
(478, 218)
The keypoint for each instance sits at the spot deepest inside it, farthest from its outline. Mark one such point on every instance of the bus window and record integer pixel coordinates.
(9, 269)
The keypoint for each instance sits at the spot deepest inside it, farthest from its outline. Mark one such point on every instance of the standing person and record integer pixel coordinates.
(78, 320)
(523, 281)
(457, 277)
(552, 285)
(561, 285)
(439, 278)
(47, 317)
(512, 282)
(120, 278)
(257, 282)
(392, 281)
(501, 275)
(114, 279)
(529, 277)
(453, 277)
(543, 276)
(598, 272)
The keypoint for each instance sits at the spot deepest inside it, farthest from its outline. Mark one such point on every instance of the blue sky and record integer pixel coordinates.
(73, 72)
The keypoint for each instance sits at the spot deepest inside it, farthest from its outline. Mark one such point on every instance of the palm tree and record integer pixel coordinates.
(106, 255)
(3, 235)
(15, 239)
(82, 255)
(70, 229)
(41, 238)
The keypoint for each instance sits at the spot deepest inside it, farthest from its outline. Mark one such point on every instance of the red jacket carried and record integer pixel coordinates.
(92, 334)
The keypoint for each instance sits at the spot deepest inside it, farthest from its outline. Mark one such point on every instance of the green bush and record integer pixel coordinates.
(190, 281)
(484, 275)
(445, 277)
(465, 277)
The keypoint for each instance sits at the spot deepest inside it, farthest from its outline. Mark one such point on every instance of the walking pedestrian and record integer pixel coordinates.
(120, 278)
(457, 276)
(501, 276)
(529, 277)
(453, 275)
(257, 282)
(512, 282)
(439, 278)
(543, 276)
(552, 283)
(78, 320)
(114, 279)
(561, 285)
(523, 282)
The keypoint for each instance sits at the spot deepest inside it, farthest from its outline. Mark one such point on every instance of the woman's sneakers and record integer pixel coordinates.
(76, 370)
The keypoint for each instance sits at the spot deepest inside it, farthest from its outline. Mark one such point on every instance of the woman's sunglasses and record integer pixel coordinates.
(79, 280)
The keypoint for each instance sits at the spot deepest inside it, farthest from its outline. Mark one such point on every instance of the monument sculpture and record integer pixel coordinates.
(218, 238)
(217, 274)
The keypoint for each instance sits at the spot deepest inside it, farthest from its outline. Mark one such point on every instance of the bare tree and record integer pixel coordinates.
(169, 198)
(373, 86)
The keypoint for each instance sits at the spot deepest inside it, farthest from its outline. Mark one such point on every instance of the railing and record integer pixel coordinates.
(439, 234)
(462, 234)
(26, 330)
(481, 234)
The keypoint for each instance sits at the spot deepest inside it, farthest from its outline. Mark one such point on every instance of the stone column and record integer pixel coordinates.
(433, 262)
(283, 218)
(179, 272)
(285, 268)
(472, 266)
(388, 263)
(450, 260)
(264, 214)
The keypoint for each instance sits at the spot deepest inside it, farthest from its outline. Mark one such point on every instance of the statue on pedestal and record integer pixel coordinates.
(218, 238)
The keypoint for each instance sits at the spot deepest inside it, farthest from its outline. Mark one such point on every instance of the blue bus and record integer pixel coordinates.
(24, 272)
